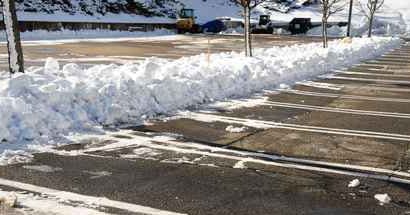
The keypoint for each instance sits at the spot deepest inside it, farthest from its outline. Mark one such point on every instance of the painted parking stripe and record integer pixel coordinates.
(366, 79)
(318, 84)
(344, 96)
(263, 124)
(337, 110)
(387, 62)
(170, 144)
(102, 201)
(395, 71)
(381, 65)
(372, 74)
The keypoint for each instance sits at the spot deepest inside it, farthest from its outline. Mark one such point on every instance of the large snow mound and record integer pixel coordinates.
(45, 104)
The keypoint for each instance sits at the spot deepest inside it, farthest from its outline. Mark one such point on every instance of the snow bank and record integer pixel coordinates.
(45, 104)
(334, 31)
(84, 34)
(382, 27)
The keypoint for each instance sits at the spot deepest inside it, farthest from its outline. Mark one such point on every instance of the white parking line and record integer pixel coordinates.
(337, 110)
(170, 144)
(343, 96)
(318, 84)
(367, 79)
(396, 71)
(382, 65)
(315, 129)
(388, 62)
(102, 201)
(372, 74)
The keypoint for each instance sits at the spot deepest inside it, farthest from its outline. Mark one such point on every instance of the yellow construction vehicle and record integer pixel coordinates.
(186, 22)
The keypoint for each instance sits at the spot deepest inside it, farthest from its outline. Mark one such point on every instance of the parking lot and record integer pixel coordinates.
(128, 50)
(289, 151)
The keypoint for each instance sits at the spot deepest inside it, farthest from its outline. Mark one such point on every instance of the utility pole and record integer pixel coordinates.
(349, 24)
(16, 61)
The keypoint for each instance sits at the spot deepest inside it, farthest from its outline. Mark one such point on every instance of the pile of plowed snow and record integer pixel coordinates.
(46, 104)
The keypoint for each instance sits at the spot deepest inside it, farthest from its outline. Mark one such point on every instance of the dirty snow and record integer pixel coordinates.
(29, 203)
(41, 107)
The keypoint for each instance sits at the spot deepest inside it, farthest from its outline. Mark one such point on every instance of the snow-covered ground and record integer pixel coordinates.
(30, 203)
(44, 105)
(86, 34)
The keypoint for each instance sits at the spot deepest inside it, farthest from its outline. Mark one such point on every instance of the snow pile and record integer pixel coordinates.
(83, 34)
(334, 31)
(381, 26)
(46, 104)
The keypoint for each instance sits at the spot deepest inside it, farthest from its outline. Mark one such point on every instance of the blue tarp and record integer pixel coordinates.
(214, 26)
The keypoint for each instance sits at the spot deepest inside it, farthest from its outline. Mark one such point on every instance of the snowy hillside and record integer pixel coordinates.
(390, 19)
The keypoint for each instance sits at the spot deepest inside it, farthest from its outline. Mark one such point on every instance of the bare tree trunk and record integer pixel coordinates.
(324, 32)
(371, 24)
(250, 34)
(247, 16)
(349, 25)
(16, 61)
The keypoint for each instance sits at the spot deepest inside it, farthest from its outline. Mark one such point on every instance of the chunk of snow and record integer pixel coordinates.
(41, 107)
(354, 183)
(8, 200)
(240, 165)
(51, 65)
(383, 198)
(233, 129)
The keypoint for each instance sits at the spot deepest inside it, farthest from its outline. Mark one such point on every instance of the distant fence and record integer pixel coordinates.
(76, 26)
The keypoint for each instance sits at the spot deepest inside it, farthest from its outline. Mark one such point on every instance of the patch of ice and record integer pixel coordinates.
(43, 168)
(98, 174)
